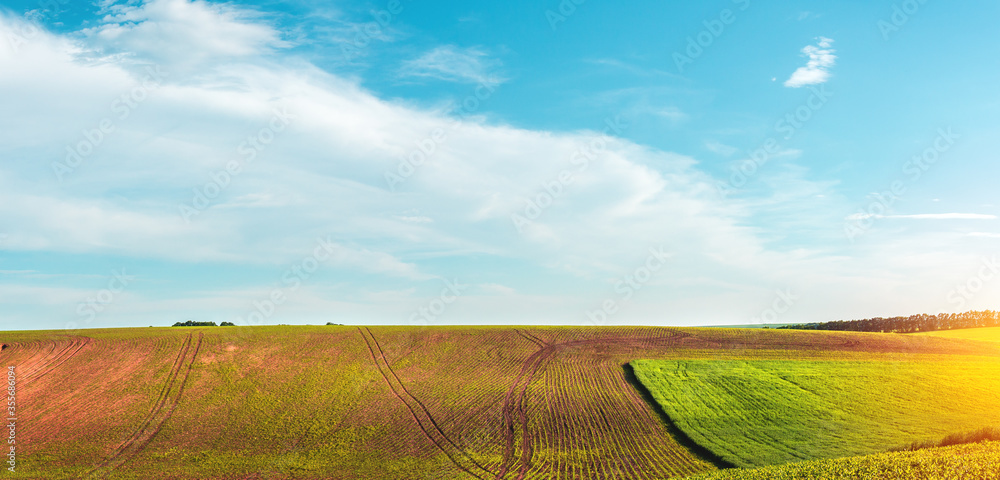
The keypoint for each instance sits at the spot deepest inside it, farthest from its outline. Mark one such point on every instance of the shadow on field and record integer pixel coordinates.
(681, 437)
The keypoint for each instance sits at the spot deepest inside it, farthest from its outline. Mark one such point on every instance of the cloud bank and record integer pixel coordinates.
(174, 133)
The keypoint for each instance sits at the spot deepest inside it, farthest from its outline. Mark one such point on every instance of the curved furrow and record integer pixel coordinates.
(62, 357)
(509, 406)
(432, 431)
(37, 360)
(522, 407)
(169, 397)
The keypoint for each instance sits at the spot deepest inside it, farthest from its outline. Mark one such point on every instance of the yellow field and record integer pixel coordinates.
(442, 403)
(960, 462)
(989, 334)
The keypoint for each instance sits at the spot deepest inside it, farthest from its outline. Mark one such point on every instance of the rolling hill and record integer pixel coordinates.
(382, 402)
(768, 412)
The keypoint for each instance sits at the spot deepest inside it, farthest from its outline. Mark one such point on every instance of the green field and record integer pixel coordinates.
(988, 334)
(756, 413)
(960, 462)
(455, 403)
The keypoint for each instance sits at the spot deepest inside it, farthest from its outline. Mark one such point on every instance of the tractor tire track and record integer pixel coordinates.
(166, 403)
(518, 405)
(397, 387)
(421, 404)
(527, 449)
(533, 339)
(508, 421)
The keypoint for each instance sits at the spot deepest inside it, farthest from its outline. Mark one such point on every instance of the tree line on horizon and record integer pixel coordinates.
(192, 323)
(911, 324)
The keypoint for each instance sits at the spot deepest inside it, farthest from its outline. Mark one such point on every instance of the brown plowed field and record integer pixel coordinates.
(378, 403)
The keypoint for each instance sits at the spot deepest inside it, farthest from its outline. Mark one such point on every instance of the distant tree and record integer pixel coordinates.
(227, 324)
(913, 323)
(337, 324)
(191, 323)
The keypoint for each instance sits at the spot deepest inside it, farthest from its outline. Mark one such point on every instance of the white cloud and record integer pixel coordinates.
(817, 69)
(324, 175)
(182, 34)
(454, 64)
(641, 104)
(496, 289)
(721, 148)
(673, 114)
(947, 216)
(414, 219)
(376, 262)
(927, 216)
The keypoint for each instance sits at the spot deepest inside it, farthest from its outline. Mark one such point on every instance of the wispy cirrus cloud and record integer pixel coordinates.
(928, 216)
(182, 32)
(720, 148)
(817, 69)
(455, 64)
(323, 177)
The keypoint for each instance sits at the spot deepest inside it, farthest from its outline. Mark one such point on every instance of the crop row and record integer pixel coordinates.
(755, 413)
(961, 462)
(402, 402)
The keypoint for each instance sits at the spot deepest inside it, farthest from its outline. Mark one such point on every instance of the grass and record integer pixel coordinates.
(989, 334)
(756, 413)
(315, 403)
(979, 461)
(985, 434)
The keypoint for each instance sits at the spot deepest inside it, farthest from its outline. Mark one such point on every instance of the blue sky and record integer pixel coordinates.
(415, 163)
